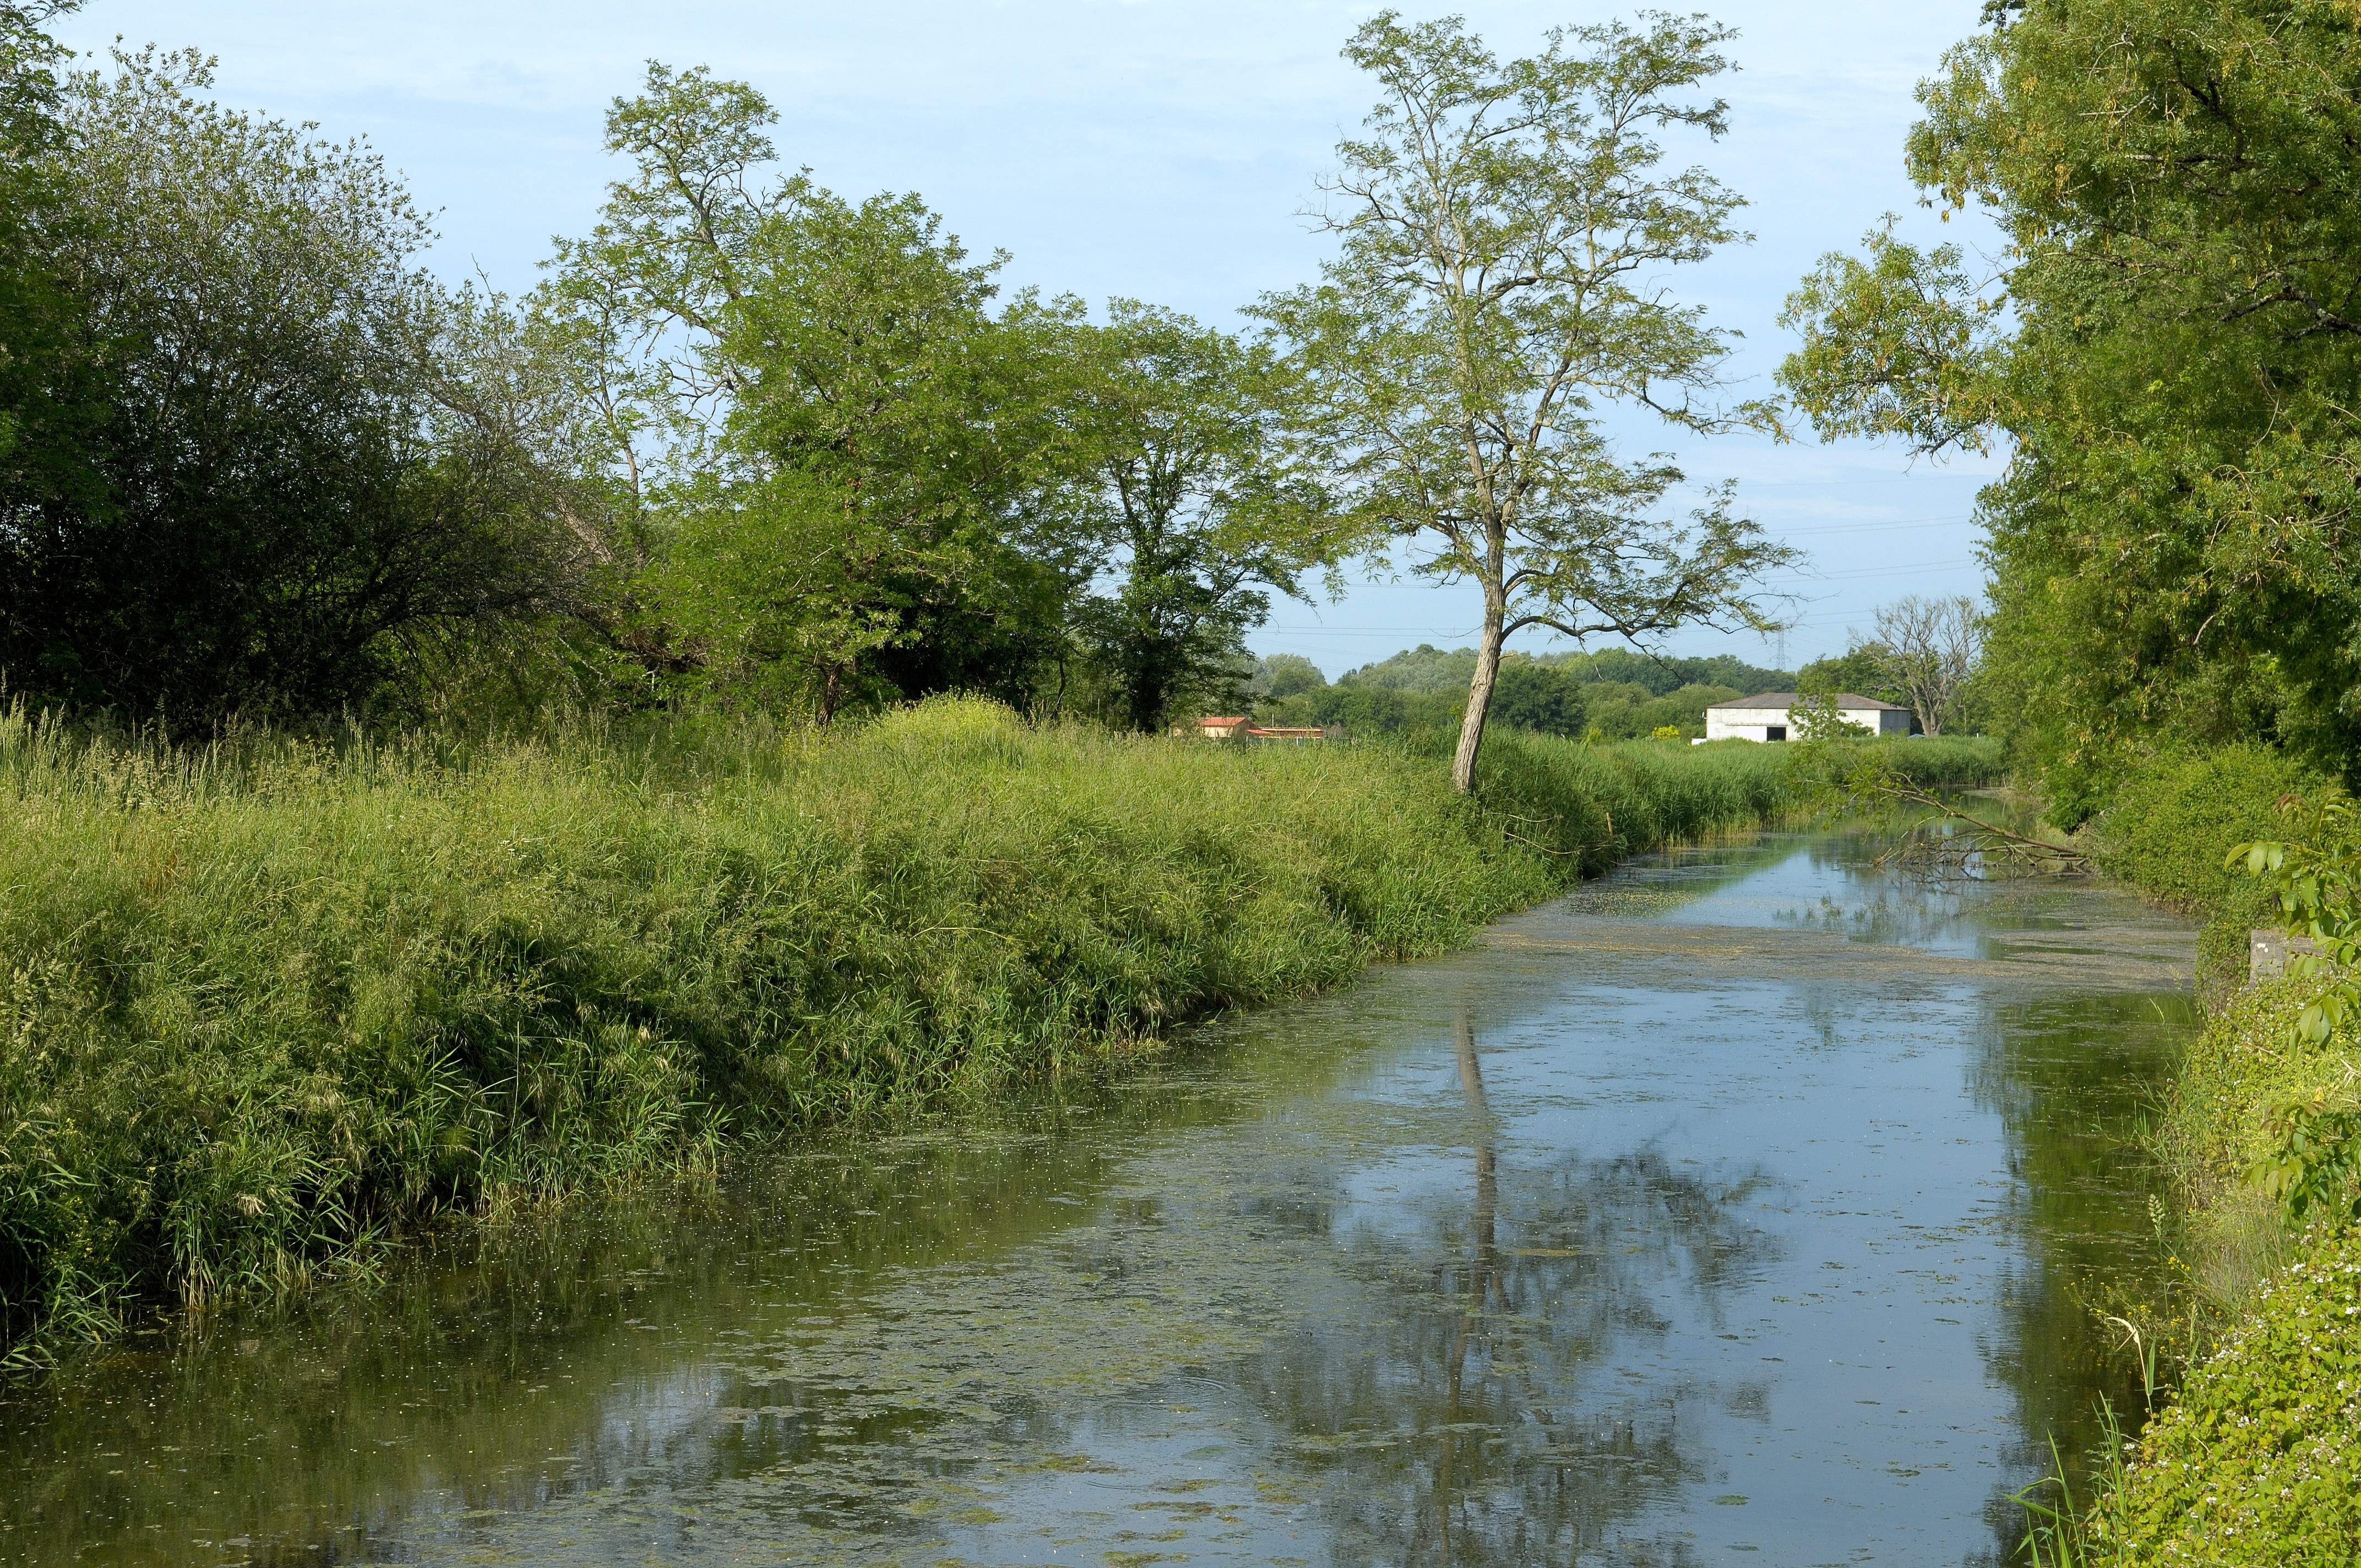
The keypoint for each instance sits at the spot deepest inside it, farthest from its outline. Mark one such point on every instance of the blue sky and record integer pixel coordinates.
(1157, 149)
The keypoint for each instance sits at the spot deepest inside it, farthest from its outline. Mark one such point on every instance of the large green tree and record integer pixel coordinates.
(1505, 232)
(275, 496)
(2170, 350)
(50, 398)
(861, 461)
(1198, 507)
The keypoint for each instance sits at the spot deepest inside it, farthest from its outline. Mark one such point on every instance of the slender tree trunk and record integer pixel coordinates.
(1479, 690)
(832, 685)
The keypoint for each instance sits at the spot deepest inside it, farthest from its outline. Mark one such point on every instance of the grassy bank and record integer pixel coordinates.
(266, 1003)
(2256, 1458)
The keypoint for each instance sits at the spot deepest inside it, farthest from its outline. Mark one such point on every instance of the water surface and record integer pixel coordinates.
(1744, 1208)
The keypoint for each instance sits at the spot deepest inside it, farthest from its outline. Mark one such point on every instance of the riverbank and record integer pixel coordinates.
(2256, 1459)
(1541, 1237)
(270, 1004)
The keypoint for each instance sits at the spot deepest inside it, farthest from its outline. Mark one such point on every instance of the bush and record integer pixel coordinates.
(2172, 828)
(265, 999)
(2175, 821)
(2255, 1461)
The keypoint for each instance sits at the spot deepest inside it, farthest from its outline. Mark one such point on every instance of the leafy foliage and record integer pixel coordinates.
(2250, 1462)
(1429, 668)
(1200, 504)
(2315, 1160)
(1660, 675)
(1864, 670)
(1503, 228)
(1617, 713)
(1538, 698)
(2253, 1463)
(1593, 695)
(276, 476)
(1286, 676)
(1900, 344)
(853, 447)
(2168, 830)
(2170, 353)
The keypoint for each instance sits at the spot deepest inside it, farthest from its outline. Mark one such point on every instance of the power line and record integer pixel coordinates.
(1873, 523)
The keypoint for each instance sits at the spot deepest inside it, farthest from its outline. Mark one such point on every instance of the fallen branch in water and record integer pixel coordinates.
(1984, 839)
(1843, 771)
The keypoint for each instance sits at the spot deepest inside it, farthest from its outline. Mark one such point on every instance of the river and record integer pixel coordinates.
(1745, 1207)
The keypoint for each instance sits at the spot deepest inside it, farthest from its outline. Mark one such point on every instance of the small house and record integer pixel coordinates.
(1243, 729)
(1769, 716)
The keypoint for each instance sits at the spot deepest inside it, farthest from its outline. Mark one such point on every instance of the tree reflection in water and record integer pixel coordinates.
(1510, 1408)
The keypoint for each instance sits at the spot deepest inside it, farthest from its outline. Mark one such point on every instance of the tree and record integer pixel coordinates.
(1865, 669)
(1539, 698)
(51, 399)
(1281, 675)
(1198, 504)
(1504, 229)
(1931, 647)
(1660, 675)
(279, 495)
(863, 462)
(1623, 712)
(1423, 668)
(2170, 352)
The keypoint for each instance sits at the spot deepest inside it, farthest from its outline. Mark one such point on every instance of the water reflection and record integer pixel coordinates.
(1740, 1204)
(1498, 1422)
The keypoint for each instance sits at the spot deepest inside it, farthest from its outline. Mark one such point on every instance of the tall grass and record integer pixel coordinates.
(264, 1002)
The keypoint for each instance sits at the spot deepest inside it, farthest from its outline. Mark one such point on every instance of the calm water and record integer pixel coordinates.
(1741, 1209)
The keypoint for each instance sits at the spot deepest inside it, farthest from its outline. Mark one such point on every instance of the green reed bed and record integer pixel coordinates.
(265, 1003)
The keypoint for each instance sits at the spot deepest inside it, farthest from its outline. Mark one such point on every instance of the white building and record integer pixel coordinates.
(1765, 716)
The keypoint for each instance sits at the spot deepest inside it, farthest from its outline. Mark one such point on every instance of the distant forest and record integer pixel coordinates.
(1613, 693)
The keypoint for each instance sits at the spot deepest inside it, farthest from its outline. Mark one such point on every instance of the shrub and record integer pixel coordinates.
(2173, 823)
(2252, 1461)
(2255, 1461)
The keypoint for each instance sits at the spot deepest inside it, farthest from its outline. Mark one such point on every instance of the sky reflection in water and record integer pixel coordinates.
(1731, 1211)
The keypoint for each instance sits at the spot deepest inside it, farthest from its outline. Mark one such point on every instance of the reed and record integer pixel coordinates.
(268, 1002)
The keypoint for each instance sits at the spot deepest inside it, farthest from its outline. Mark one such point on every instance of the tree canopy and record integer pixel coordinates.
(274, 484)
(1504, 228)
(2170, 350)
(1200, 504)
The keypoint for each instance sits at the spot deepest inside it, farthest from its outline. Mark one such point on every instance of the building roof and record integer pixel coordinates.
(1846, 700)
